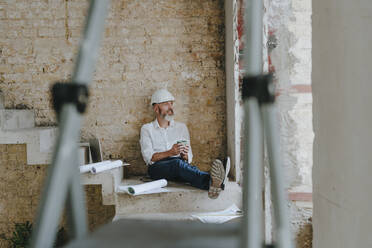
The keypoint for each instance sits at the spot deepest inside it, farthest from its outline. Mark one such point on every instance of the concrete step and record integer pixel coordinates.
(184, 216)
(175, 216)
(13, 119)
(108, 179)
(181, 198)
(40, 142)
(161, 234)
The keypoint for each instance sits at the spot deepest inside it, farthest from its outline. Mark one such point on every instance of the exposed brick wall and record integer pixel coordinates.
(146, 45)
(20, 187)
(98, 214)
(20, 192)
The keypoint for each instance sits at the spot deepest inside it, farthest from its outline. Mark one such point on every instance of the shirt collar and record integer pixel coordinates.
(156, 123)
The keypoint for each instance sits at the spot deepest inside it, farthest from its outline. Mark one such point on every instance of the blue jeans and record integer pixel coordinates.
(176, 169)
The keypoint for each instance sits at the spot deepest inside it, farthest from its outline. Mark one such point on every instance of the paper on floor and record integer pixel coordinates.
(144, 188)
(219, 217)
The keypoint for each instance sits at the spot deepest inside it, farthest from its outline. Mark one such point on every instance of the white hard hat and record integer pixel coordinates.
(161, 95)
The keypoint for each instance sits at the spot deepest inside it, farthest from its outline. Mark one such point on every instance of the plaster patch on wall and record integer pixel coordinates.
(190, 75)
(302, 114)
(288, 35)
(289, 31)
(288, 143)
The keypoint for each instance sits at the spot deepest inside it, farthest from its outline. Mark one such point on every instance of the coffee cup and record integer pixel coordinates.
(182, 142)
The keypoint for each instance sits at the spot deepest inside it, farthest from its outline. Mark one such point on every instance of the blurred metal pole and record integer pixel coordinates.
(62, 180)
(253, 153)
(258, 97)
(279, 199)
(252, 55)
(252, 176)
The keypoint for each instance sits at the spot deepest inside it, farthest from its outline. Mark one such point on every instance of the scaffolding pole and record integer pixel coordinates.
(63, 180)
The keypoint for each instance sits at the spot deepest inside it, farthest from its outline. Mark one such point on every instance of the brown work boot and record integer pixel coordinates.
(217, 174)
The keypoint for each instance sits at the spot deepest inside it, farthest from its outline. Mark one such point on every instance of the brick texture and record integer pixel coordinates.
(147, 45)
(21, 186)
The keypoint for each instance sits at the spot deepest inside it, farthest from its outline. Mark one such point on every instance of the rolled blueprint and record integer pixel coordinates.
(88, 167)
(108, 166)
(144, 188)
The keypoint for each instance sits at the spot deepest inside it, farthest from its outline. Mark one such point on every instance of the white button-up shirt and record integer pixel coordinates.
(157, 139)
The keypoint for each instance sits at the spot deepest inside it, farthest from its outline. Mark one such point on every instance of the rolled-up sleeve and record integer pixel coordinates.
(187, 136)
(146, 145)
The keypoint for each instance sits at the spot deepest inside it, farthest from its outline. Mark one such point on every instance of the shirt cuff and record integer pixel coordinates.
(149, 162)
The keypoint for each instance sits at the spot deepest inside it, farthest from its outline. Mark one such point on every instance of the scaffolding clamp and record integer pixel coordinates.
(74, 93)
(260, 87)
